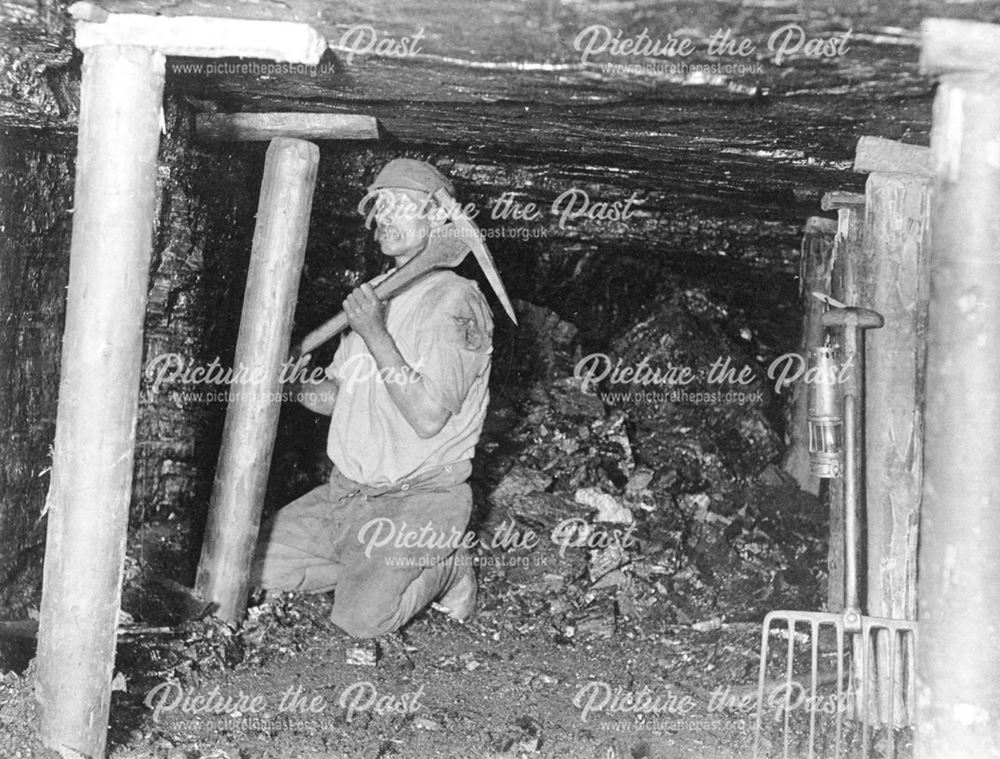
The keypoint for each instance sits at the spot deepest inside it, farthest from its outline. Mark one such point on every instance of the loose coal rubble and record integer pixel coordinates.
(18, 736)
(649, 511)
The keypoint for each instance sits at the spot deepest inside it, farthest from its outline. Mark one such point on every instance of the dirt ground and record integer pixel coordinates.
(509, 683)
(541, 671)
(494, 687)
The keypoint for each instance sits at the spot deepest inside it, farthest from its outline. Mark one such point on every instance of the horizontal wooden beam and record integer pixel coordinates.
(879, 154)
(834, 201)
(952, 45)
(259, 127)
(198, 36)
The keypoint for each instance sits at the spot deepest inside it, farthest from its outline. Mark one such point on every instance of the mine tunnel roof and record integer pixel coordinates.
(758, 116)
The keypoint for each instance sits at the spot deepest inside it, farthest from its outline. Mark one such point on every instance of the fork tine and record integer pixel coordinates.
(788, 681)
(841, 694)
(760, 684)
(865, 689)
(892, 693)
(814, 676)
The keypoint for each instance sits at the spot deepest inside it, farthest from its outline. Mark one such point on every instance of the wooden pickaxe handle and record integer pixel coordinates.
(446, 249)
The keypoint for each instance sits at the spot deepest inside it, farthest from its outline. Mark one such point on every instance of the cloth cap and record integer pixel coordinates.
(411, 174)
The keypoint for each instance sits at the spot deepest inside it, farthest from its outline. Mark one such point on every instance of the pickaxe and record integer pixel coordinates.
(447, 248)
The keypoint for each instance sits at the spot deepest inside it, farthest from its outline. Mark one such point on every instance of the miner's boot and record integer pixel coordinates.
(459, 597)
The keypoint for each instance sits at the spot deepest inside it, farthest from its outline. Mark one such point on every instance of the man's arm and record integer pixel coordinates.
(406, 386)
(318, 397)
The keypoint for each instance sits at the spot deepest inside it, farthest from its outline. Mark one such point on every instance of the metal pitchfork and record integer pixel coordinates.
(875, 683)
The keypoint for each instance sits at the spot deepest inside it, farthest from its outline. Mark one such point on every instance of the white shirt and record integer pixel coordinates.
(444, 330)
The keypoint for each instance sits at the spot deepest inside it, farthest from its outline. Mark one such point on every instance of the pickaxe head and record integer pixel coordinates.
(447, 246)
(470, 233)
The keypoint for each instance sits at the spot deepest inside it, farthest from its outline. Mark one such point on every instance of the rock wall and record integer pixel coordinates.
(35, 220)
(201, 247)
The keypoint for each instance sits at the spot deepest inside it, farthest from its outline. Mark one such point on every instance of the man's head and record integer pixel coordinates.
(403, 206)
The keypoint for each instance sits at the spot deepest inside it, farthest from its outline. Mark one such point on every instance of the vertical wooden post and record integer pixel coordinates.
(958, 663)
(895, 283)
(814, 274)
(850, 207)
(252, 417)
(91, 483)
(845, 287)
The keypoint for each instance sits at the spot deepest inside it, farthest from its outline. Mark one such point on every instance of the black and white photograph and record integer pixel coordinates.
(499, 379)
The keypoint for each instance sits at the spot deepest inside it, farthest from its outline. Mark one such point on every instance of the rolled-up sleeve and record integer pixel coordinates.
(454, 343)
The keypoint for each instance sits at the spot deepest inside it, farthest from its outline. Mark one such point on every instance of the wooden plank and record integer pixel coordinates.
(91, 485)
(199, 36)
(249, 127)
(279, 246)
(952, 46)
(846, 284)
(895, 280)
(896, 276)
(878, 154)
(834, 201)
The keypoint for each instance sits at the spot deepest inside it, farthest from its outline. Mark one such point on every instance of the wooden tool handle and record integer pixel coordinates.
(444, 251)
(333, 327)
(326, 331)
